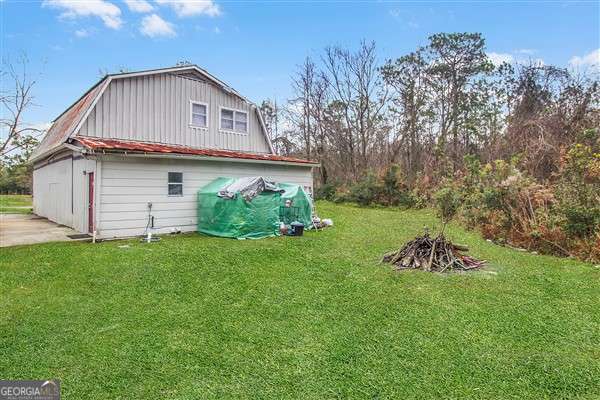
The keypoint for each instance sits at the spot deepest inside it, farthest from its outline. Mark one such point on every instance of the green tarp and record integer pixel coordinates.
(300, 208)
(258, 218)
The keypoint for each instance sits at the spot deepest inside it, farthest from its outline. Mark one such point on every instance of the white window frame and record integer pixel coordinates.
(192, 102)
(233, 130)
(169, 183)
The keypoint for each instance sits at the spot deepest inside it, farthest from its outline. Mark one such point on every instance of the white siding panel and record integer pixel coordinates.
(60, 191)
(132, 206)
(156, 108)
(128, 184)
(52, 190)
(94, 120)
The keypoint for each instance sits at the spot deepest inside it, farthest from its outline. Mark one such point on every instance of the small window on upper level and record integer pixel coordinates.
(199, 114)
(175, 183)
(234, 120)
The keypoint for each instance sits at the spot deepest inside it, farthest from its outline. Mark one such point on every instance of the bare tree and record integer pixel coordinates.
(429, 109)
(319, 99)
(301, 106)
(16, 99)
(356, 85)
(549, 107)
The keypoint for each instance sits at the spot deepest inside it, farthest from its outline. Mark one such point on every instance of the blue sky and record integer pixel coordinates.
(256, 45)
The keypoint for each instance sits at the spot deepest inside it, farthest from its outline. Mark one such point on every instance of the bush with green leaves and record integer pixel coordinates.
(578, 188)
(561, 216)
(447, 201)
(366, 191)
(326, 192)
(393, 189)
(388, 189)
(581, 221)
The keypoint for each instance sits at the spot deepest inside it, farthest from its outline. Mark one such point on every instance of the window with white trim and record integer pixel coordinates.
(199, 114)
(175, 183)
(234, 120)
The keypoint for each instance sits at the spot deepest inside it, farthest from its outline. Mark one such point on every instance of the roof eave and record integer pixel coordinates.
(49, 152)
(130, 153)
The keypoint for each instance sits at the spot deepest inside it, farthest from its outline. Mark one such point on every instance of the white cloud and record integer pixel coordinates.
(140, 6)
(404, 18)
(526, 51)
(81, 33)
(590, 60)
(153, 26)
(216, 30)
(189, 8)
(109, 13)
(499, 58)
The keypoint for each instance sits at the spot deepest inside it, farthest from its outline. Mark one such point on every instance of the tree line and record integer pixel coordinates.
(426, 110)
(516, 146)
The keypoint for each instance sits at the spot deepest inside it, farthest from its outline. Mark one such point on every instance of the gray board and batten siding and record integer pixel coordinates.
(157, 108)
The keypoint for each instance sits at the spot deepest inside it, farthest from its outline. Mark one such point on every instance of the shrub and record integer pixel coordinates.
(393, 190)
(492, 198)
(391, 185)
(326, 192)
(578, 189)
(559, 217)
(342, 194)
(365, 191)
(582, 222)
(387, 189)
(422, 191)
(448, 201)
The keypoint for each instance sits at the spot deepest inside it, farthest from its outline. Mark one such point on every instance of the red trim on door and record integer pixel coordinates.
(90, 202)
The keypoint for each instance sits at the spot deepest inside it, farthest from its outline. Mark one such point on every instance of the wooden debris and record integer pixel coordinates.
(432, 254)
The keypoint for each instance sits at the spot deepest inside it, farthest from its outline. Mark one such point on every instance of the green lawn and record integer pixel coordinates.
(15, 204)
(305, 318)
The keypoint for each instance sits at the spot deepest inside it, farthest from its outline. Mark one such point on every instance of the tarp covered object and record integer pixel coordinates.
(300, 206)
(248, 188)
(226, 209)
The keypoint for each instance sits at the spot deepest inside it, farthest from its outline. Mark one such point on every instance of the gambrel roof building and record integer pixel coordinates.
(151, 137)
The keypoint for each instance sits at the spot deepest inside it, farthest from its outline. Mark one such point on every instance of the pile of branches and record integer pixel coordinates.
(432, 254)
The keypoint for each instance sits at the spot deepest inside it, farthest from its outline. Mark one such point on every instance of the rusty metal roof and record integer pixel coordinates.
(98, 144)
(65, 124)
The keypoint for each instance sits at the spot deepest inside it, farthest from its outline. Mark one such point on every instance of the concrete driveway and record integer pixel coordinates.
(16, 229)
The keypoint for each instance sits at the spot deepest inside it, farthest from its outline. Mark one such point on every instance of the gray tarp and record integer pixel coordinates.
(248, 188)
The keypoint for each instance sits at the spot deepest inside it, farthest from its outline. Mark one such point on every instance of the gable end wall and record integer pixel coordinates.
(156, 108)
